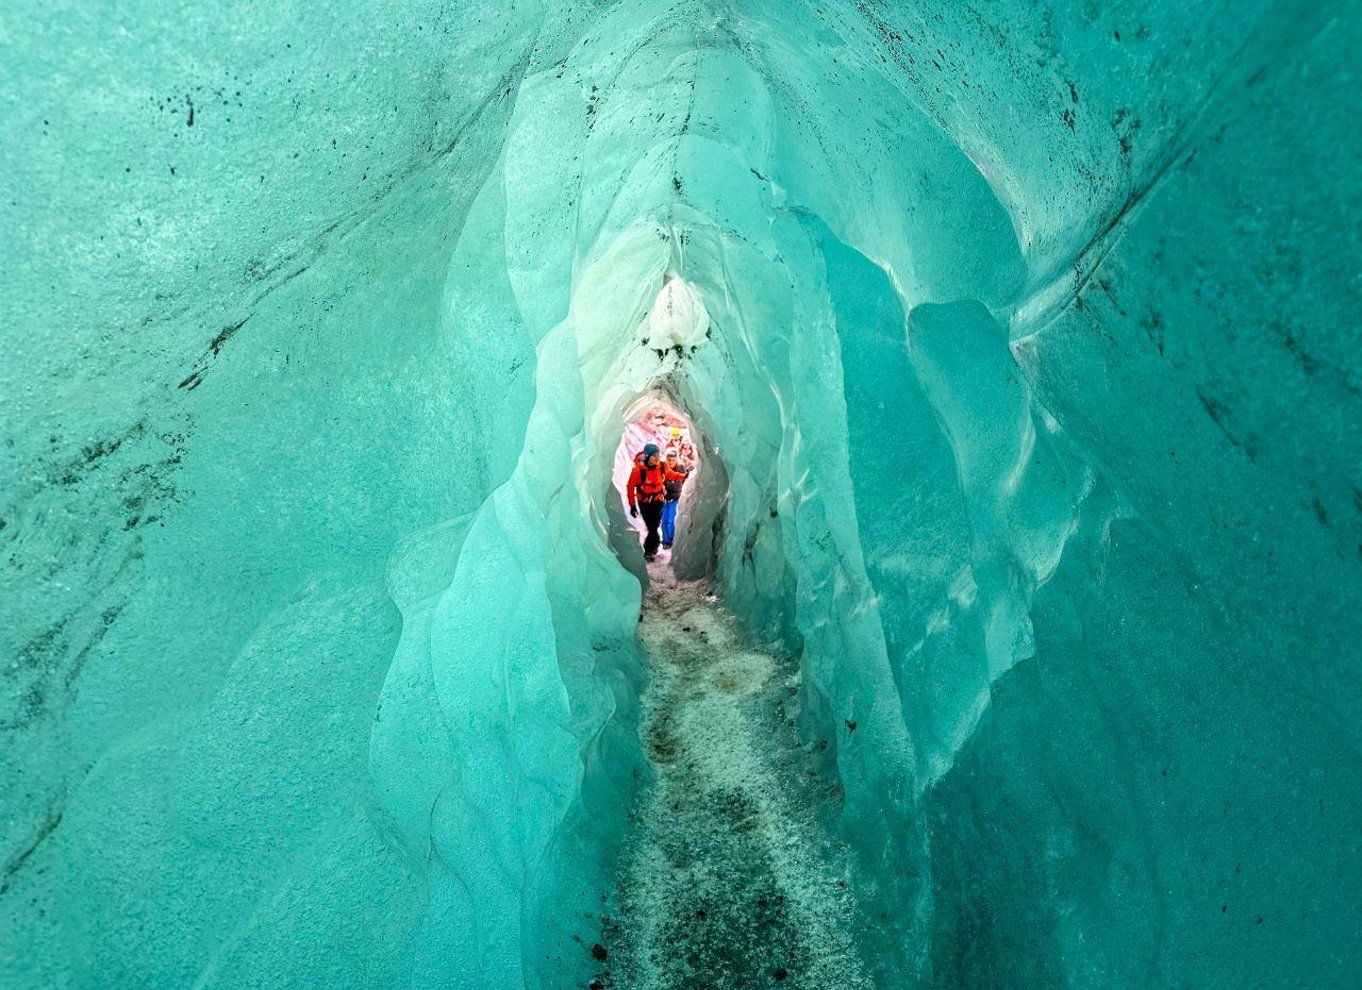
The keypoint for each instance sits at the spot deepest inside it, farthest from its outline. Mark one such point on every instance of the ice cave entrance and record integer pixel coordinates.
(657, 421)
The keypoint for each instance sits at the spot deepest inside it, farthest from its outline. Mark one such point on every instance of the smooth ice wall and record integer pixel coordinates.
(1022, 413)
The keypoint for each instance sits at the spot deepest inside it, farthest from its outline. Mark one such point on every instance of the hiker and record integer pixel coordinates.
(675, 477)
(647, 494)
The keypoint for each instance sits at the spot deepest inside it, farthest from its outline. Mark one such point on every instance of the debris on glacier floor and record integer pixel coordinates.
(730, 879)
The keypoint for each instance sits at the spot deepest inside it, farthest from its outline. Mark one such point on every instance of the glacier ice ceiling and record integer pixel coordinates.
(1021, 345)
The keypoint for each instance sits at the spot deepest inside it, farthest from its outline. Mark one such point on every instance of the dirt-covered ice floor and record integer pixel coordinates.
(730, 881)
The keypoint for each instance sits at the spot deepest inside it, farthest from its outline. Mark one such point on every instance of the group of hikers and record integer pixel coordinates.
(654, 491)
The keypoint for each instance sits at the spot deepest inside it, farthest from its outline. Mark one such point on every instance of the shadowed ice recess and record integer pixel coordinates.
(1011, 635)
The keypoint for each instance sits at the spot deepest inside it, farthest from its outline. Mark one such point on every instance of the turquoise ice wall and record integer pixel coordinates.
(1033, 374)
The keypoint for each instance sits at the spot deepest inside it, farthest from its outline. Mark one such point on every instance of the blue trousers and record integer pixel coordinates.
(669, 522)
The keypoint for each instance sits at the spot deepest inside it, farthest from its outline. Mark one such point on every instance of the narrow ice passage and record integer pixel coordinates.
(730, 879)
(1019, 344)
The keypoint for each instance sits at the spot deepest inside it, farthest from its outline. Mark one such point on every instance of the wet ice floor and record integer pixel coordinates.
(730, 881)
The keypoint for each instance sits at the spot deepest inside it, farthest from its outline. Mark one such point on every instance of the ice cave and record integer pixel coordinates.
(1012, 634)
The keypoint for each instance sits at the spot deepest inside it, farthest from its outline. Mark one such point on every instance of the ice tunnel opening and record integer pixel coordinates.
(654, 420)
(701, 509)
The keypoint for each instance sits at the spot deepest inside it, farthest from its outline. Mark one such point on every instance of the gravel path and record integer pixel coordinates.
(730, 881)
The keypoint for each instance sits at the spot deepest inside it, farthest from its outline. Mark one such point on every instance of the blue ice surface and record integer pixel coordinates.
(1030, 386)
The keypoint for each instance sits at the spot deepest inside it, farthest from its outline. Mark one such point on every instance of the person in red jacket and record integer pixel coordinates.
(648, 494)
